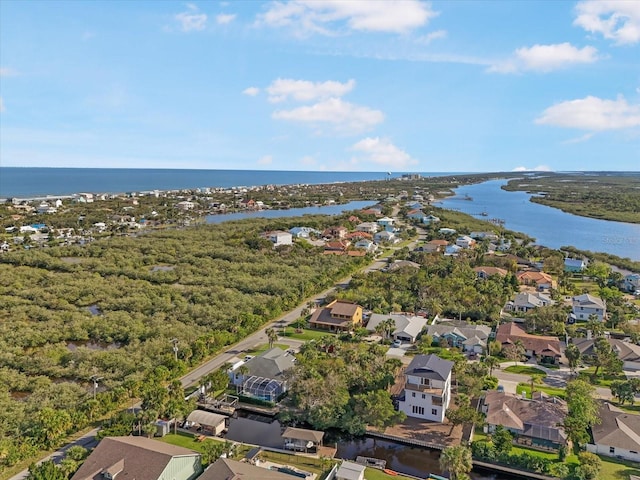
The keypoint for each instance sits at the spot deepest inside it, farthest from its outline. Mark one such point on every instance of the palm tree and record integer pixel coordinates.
(491, 362)
(388, 326)
(457, 461)
(272, 335)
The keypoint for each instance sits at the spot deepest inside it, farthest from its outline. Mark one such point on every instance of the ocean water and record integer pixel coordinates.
(34, 182)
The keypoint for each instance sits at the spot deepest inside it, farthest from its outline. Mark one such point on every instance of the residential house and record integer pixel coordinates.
(467, 337)
(628, 352)
(484, 236)
(544, 348)
(302, 440)
(385, 237)
(631, 283)
(358, 235)
(429, 219)
(407, 328)
(447, 231)
(45, 208)
(427, 390)
(279, 237)
(416, 214)
(140, 458)
(452, 250)
(303, 232)
(616, 435)
(366, 245)
(574, 265)
(536, 423)
(585, 305)
(338, 232)
(465, 241)
(337, 316)
(540, 280)
(398, 264)
(185, 205)
(227, 469)
(486, 272)
(337, 247)
(386, 223)
(350, 471)
(265, 375)
(367, 227)
(433, 246)
(525, 301)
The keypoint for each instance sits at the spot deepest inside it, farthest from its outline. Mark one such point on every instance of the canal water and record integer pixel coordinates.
(416, 461)
(549, 226)
(292, 212)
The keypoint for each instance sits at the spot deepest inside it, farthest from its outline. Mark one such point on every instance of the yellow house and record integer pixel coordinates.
(337, 316)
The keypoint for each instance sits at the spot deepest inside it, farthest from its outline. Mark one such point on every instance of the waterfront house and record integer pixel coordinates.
(544, 348)
(465, 336)
(406, 328)
(525, 301)
(540, 280)
(631, 283)
(585, 305)
(427, 389)
(279, 237)
(45, 208)
(265, 376)
(227, 469)
(484, 236)
(574, 265)
(616, 435)
(208, 422)
(302, 440)
(535, 423)
(465, 241)
(628, 352)
(350, 471)
(337, 316)
(486, 272)
(140, 458)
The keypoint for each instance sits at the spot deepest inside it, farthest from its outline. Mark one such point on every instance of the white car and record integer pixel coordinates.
(396, 343)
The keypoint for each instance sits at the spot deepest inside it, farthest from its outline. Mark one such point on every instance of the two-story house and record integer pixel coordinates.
(427, 389)
(279, 237)
(586, 305)
(337, 316)
(386, 223)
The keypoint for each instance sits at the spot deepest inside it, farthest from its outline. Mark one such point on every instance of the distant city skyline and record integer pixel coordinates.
(372, 86)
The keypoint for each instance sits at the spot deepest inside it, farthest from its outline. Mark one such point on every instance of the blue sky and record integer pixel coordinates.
(321, 85)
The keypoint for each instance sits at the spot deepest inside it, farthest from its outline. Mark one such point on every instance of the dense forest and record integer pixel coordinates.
(110, 310)
(605, 196)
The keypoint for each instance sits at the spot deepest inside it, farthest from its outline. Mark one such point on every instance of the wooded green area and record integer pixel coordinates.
(107, 311)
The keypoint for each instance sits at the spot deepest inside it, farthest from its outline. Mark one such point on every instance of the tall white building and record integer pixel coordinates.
(427, 391)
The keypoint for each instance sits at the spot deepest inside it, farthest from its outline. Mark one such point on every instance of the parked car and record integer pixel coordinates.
(396, 343)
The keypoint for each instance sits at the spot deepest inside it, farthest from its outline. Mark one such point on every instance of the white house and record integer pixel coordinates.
(185, 205)
(407, 328)
(586, 305)
(384, 237)
(631, 283)
(367, 227)
(429, 219)
(452, 250)
(447, 231)
(525, 301)
(427, 391)
(465, 241)
(366, 244)
(574, 264)
(386, 223)
(45, 208)
(617, 435)
(279, 237)
(304, 232)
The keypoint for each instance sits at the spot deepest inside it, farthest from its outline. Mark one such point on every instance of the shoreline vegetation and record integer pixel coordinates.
(600, 195)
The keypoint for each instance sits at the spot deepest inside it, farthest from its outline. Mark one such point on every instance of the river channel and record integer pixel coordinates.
(549, 226)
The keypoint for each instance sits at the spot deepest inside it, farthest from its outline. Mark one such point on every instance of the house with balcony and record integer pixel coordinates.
(386, 223)
(338, 316)
(585, 305)
(367, 227)
(427, 389)
(465, 241)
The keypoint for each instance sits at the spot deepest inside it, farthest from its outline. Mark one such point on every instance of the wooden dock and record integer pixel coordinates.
(405, 441)
(494, 467)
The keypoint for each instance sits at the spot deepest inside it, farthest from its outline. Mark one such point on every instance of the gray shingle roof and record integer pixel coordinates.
(617, 429)
(227, 469)
(429, 366)
(270, 364)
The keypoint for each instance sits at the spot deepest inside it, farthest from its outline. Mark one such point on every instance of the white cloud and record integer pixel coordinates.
(545, 58)
(580, 139)
(7, 72)
(192, 19)
(251, 91)
(539, 168)
(617, 20)
(1, 105)
(304, 91)
(332, 16)
(382, 152)
(266, 160)
(346, 117)
(225, 18)
(592, 113)
(431, 36)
